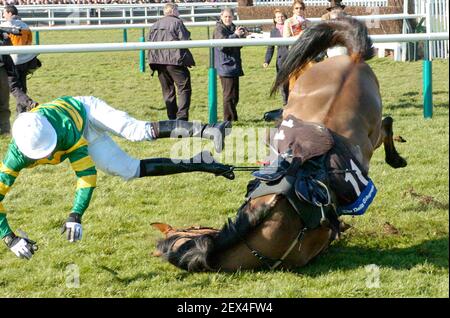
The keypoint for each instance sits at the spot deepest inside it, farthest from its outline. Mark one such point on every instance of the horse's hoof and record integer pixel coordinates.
(273, 115)
(396, 162)
(399, 139)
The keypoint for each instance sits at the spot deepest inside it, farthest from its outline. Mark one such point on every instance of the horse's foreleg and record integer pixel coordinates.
(392, 156)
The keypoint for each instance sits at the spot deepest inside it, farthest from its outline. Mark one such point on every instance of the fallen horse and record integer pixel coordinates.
(328, 134)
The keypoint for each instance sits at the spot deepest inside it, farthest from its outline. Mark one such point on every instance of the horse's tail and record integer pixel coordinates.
(201, 253)
(321, 36)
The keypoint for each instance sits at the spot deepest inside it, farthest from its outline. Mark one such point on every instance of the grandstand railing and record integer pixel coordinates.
(362, 3)
(126, 11)
(72, 18)
(437, 15)
(73, 27)
(122, 6)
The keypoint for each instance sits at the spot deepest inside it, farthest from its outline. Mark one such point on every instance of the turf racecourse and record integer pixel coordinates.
(399, 248)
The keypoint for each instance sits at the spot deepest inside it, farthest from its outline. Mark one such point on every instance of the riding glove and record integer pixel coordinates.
(22, 247)
(73, 227)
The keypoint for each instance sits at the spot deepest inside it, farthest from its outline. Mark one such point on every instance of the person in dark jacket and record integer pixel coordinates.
(9, 80)
(24, 64)
(172, 64)
(5, 113)
(282, 50)
(228, 63)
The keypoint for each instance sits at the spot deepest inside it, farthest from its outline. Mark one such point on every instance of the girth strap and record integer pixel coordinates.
(273, 263)
(269, 262)
(299, 238)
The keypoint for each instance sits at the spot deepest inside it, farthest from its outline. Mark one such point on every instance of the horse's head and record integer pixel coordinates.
(174, 238)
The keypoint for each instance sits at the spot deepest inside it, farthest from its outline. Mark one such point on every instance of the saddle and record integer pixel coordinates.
(316, 172)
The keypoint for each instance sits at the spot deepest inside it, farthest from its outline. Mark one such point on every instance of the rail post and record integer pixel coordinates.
(36, 37)
(427, 89)
(142, 54)
(212, 89)
(427, 68)
(125, 36)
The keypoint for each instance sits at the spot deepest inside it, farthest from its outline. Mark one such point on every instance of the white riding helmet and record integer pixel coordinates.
(34, 135)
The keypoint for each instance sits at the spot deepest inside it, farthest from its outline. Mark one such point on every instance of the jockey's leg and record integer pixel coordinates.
(181, 128)
(106, 118)
(111, 159)
(203, 162)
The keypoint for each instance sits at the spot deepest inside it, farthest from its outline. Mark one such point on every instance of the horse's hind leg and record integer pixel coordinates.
(392, 156)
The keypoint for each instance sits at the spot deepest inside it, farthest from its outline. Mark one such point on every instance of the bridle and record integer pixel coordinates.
(272, 263)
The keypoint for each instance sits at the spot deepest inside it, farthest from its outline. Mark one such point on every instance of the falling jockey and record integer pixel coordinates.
(76, 128)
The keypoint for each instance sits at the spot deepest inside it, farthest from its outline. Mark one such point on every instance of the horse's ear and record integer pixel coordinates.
(163, 227)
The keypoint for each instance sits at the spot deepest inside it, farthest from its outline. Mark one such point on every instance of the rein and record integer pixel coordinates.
(235, 168)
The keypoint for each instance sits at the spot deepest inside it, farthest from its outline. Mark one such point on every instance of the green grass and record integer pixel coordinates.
(114, 258)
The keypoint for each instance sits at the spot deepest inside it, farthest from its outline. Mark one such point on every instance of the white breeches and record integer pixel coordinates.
(107, 155)
(111, 159)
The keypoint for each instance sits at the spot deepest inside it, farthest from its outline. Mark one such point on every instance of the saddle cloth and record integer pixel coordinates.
(316, 167)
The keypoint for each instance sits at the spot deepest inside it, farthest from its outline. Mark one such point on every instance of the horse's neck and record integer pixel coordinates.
(264, 238)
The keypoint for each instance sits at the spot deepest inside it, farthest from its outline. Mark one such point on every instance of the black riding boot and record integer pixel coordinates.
(273, 115)
(181, 128)
(166, 166)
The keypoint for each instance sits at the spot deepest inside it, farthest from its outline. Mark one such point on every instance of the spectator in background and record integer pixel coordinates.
(5, 113)
(25, 64)
(172, 64)
(335, 11)
(8, 80)
(228, 63)
(295, 25)
(282, 50)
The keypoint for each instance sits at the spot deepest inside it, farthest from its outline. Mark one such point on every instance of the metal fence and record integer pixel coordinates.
(362, 3)
(127, 13)
(436, 21)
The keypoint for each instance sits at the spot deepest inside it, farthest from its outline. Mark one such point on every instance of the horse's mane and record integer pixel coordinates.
(198, 253)
(246, 219)
(321, 36)
(191, 255)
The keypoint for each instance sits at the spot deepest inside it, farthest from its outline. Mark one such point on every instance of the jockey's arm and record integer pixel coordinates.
(86, 173)
(10, 167)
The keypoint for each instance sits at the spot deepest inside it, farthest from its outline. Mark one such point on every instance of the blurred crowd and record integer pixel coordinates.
(43, 2)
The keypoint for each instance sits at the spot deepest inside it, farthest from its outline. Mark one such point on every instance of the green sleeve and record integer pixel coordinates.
(10, 167)
(86, 173)
(4, 226)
